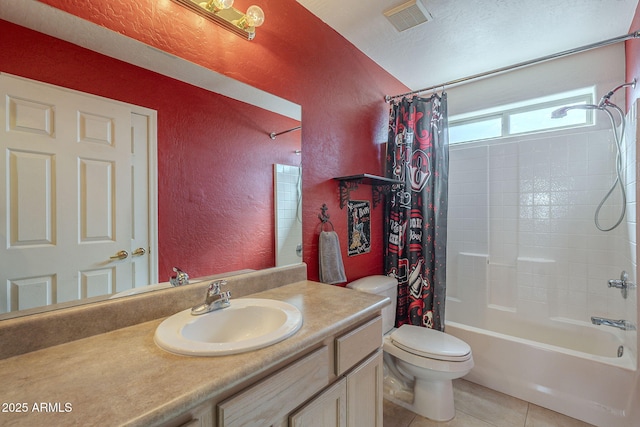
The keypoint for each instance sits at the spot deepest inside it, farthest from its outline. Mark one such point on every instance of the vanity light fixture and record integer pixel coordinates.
(222, 13)
(216, 5)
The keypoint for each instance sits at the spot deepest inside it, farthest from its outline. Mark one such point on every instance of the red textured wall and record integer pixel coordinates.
(295, 56)
(632, 49)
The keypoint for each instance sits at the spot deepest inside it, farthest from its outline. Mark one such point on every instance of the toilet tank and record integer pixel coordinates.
(380, 285)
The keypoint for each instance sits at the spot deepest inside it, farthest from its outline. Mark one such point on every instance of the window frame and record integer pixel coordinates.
(505, 113)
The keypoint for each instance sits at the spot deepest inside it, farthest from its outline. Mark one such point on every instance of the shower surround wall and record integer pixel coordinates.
(288, 200)
(522, 240)
(527, 267)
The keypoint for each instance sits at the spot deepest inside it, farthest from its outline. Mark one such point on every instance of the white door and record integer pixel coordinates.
(66, 202)
(141, 212)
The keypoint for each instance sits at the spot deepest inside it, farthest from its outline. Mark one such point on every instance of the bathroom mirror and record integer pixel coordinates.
(189, 197)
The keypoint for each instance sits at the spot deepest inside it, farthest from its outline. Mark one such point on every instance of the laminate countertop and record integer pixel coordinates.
(123, 378)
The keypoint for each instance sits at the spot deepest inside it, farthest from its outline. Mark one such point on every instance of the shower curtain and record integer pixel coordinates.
(415, 234)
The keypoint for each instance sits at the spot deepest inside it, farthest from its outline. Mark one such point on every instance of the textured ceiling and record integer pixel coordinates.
(468, 37)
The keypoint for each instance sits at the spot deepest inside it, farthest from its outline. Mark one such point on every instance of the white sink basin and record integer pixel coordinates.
(248, 324)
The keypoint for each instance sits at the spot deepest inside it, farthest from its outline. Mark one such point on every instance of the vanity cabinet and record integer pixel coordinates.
(269, 402)
(341, 388)
(353, 401)
(329, 370)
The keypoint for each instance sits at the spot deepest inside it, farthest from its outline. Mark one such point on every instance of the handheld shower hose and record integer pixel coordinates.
(606, 105)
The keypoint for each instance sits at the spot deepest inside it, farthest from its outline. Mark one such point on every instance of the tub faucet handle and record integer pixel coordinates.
(623, 284)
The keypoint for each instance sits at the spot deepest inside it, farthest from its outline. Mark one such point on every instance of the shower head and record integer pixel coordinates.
(559, 113)
(604, 103)
(562, 111)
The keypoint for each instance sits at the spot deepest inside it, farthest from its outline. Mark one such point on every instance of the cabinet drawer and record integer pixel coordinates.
(357, 344)
(271, 400)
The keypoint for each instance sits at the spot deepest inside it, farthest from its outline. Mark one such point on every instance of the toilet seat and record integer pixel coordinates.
(430, 343)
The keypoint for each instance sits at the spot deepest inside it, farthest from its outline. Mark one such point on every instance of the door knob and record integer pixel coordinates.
(120, 255)
(139, 252)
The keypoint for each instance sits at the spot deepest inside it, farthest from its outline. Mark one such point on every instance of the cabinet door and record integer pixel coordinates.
(364, 393)
(327, 410)
(269, 402)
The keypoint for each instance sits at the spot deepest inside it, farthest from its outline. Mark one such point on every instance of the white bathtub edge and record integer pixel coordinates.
(557, 379)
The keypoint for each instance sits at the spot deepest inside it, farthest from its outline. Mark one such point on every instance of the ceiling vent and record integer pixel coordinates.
(408, 15)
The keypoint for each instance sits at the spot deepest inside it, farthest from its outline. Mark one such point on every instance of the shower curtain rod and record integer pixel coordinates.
(273, 135)
(633, 35)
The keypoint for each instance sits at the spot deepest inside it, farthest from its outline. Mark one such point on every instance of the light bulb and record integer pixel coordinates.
(255, 16)
(217, 5)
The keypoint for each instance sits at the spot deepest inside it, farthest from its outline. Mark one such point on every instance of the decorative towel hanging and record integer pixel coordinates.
(331, 267)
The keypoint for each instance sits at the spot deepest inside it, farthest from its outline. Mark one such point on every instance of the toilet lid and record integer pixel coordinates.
(430, 343)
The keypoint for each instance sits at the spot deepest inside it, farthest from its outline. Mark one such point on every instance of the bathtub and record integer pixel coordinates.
(567, 367)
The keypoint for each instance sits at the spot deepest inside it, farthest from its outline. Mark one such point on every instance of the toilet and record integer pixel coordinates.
(419, 363)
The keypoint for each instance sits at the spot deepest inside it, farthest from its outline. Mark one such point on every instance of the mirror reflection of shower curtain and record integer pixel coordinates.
(415, 235)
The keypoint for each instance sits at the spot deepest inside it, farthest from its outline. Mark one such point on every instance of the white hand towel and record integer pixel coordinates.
(331, 266)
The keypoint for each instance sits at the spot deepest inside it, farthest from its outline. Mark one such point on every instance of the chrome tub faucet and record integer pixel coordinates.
(215, 299)
(623, 284)
(625, 325)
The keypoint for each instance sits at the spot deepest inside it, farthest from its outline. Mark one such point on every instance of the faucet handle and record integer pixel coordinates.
(225, 296)
(214, 287)
(623, 284)
(180, 278)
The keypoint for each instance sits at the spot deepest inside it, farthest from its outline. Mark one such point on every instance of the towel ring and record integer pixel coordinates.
(324, 223)
(323, 216)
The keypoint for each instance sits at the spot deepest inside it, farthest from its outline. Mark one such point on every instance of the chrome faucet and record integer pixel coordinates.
(623, 284)
(215, 299)
(625, 325)
(179, 278)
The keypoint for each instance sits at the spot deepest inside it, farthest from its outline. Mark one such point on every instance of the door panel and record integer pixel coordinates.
(140, 230)
(31, 220)
(97, 215)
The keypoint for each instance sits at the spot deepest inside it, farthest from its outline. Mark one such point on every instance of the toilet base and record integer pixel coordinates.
(431, 399)
(434, 399)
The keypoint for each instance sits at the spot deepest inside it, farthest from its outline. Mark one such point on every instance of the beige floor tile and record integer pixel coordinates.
(541, 417)
(488, 405)
(460, 420)
(396, 416)
(477, 406)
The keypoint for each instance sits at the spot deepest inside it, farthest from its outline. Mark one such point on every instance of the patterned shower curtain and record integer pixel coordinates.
(415, 235)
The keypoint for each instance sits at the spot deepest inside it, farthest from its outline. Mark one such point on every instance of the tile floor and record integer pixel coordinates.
(477, 406)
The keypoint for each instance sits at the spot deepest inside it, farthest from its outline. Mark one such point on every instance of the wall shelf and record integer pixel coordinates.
(379, 186)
